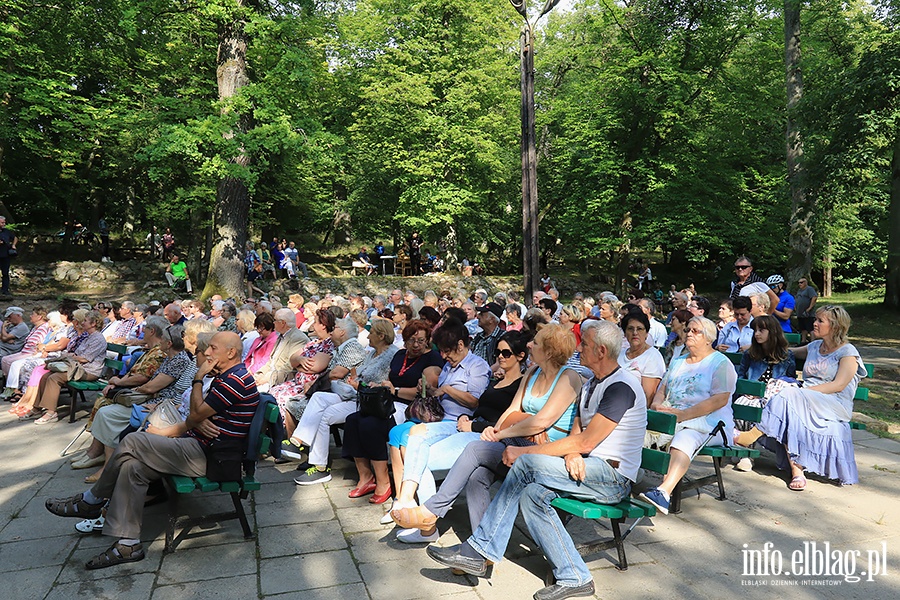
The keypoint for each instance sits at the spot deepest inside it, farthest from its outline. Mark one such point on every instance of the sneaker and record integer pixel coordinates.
(657, 498)
(291, 450)
(313, 475)
(560, 592)
(414, 536)
(745, 464)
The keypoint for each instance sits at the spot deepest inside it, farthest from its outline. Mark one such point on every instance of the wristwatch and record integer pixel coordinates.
(196, 381)
(397, 392)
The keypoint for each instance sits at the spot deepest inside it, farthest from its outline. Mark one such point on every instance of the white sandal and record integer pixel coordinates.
(91, 525)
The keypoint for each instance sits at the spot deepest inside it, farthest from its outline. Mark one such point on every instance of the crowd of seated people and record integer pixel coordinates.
(549, 397)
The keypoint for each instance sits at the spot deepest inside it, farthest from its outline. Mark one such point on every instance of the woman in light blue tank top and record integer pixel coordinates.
(547, 395)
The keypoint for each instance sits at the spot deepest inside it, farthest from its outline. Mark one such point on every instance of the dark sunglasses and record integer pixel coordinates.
(505, 353)
(741, 267)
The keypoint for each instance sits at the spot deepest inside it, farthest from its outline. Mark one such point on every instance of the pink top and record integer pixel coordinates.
(260, 352)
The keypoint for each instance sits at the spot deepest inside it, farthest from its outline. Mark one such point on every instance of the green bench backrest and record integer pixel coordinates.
(748, 387)
(792, 338)
(119, 349)
(657, 460)
(113, 364)
(735, 357)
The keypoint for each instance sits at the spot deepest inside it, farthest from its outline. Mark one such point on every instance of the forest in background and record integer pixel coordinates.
(661, 127)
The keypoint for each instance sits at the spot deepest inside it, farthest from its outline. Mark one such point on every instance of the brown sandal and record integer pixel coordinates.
(116, 555)
(414, 518)
(74, 507)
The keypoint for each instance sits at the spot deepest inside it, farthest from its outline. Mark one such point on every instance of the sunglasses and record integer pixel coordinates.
(507, 353)
(741, 267)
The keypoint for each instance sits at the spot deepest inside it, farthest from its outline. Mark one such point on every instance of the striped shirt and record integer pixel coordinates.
(234, 397)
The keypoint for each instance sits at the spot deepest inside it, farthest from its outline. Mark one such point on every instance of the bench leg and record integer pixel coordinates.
(717, 464)
(620, 543)
(241, 515)
(675, 500)
(336, 434)
(173, 521)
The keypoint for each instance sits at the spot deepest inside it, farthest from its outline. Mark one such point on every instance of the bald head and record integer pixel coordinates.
(224, 351)
(172, 312)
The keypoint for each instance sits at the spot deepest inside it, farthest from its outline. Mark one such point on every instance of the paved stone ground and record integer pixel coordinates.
(314, 542)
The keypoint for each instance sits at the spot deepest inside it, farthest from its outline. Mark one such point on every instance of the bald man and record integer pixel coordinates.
(224, 414)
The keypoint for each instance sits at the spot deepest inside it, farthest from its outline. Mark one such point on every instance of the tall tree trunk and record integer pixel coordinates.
(530, 219)
(802, 202)
(226, 264)
(892, 289)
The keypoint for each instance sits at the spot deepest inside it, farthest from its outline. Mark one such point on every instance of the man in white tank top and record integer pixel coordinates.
(598, 462)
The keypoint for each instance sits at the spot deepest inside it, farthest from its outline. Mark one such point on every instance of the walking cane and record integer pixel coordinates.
(83, 429)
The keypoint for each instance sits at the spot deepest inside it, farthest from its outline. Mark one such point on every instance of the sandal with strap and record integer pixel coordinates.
(91, 525)
(48, 417)
(116, 555)
(798, 483)
(414, 518)
(74, 507)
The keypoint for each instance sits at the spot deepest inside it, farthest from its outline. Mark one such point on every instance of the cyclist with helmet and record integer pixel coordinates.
(786, 302)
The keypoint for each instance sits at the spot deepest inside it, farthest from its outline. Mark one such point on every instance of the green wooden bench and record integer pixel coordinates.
(793, 339)
(629, 508)
(177, 485)
(862, 393)
(718, 454)
(78, 388)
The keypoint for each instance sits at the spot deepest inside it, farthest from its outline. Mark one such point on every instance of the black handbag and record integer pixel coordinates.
(224, 456)
(322, 384)
(375, 401)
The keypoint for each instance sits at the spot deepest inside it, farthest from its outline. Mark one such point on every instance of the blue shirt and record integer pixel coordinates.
(734, 337)
(472, 375)
(785, 300)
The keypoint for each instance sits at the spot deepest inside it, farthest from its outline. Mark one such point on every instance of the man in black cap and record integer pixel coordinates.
(484, 344)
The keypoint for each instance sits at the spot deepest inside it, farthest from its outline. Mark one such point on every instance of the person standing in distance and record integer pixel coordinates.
(8, 251)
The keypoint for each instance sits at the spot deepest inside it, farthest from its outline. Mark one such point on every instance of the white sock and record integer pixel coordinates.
(129, 542)
(91, 498)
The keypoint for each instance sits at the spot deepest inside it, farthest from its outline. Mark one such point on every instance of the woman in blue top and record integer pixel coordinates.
(808, 428)
(547, 395)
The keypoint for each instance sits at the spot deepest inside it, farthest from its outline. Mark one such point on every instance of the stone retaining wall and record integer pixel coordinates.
(142, 281)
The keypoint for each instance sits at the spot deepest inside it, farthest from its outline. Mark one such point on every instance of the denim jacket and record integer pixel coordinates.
(753, 369)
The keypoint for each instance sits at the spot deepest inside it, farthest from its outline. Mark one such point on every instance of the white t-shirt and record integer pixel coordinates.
(658, 334)
(753, 289)
(649, 364)
(617, 397)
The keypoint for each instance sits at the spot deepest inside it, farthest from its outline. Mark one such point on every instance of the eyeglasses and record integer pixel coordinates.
(417, 341)
(506, 353)
(694, 331)
(741, 267)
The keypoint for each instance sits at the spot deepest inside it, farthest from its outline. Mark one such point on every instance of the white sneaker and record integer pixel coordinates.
(414, 536)
(745, 464)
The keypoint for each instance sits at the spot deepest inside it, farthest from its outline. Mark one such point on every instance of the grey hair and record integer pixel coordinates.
(648, 304)
(606, 334)
(217, 304)
(286, 315)
(763, 300)
(157, 324)
(349, 326)
(378, 298)
(203, 340)
(128, 305)
(709, 328)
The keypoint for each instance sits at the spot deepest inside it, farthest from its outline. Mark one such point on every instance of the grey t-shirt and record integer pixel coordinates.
(21, 332)
(803, 298)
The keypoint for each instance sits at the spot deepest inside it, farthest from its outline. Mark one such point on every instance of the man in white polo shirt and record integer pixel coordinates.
(599, 461)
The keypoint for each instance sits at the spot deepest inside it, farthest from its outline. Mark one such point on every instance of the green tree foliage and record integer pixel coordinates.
(433, 138)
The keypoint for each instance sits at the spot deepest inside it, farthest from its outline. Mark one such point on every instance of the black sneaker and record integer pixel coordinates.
(292, 451)
(313, 476)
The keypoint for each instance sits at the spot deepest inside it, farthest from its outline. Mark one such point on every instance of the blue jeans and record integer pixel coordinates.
(533, 482)
(418, 447)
